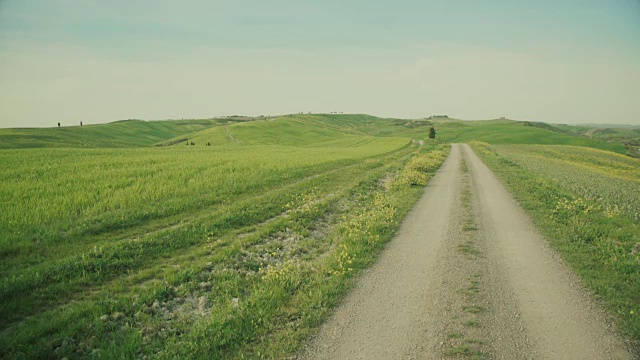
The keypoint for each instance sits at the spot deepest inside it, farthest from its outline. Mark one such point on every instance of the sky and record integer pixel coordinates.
(558, 61)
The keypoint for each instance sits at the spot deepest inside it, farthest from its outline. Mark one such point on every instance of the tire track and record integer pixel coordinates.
(230, 135)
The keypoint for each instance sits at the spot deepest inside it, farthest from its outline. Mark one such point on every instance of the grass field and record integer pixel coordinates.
(148, 251)
(587, 202)
(117, 247)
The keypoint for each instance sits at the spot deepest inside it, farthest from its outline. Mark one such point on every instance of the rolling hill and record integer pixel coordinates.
(127, 133)
(503, 132)
(308, 129)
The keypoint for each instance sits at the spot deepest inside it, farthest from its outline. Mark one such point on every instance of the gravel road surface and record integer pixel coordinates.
(467, 277)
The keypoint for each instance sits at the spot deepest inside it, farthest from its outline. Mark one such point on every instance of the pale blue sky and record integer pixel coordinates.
(565, 61)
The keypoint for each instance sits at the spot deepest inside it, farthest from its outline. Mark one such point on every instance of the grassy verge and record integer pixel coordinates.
(573, 196)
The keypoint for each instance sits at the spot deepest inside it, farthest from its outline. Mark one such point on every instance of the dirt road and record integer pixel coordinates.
(468, 276)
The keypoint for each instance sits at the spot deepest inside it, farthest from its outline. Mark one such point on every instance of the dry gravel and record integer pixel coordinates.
(468, 276)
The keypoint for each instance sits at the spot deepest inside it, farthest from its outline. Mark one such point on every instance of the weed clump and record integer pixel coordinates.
(421, 167)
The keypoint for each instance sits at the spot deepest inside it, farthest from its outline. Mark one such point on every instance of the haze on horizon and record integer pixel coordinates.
(575, 61)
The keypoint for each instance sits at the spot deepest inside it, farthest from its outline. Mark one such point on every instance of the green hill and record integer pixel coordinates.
(304, 130)
(513, 132)
(128, 133)
(627, 135)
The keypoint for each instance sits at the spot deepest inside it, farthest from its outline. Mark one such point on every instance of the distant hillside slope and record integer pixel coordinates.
(128, 133)
(626, 135)
(298, 130)
(607, 126)
(309, 129)
(513, 132)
